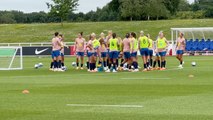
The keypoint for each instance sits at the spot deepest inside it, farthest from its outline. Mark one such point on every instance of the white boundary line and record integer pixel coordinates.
(113, 106)
(145, 78)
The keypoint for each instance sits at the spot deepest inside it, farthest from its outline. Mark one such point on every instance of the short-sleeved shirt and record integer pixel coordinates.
(126, 45)
(103, 47)
(181, 43)
(80, 44)
(90, 44)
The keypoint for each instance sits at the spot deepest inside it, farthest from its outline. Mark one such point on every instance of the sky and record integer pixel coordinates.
(28, 6)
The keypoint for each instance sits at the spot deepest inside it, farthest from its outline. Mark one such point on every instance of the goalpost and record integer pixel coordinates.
(11, 58)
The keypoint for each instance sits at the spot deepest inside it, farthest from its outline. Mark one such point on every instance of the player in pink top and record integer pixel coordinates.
(80, 49)
(87, 52)
(126, 51)
(103, 51)
(91, 54)
(180, 47)
(56, 48)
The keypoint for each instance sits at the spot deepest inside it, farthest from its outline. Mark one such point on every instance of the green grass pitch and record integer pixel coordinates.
(164, 95)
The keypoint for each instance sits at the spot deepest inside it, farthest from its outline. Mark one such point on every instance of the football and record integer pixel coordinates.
(73, 64)
(40, 64)
(193, 64)
(36, 66)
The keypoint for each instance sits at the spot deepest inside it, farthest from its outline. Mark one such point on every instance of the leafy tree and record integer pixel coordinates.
(155, 9)
(172, 5)
(184, 6)
(62, 8)
(206, 5)
(7, 17)
(131, 8)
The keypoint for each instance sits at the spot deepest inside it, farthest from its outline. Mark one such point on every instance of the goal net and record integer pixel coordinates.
(11, 58)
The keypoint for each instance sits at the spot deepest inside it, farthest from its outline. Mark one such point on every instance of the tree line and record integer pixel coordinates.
(116, 10)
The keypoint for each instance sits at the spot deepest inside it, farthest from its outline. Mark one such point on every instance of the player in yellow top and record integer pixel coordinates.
(144, 44)
(120, 53)
(134, 51)
(162, 45)
(113, 55)
(108, 37)
(157, 58)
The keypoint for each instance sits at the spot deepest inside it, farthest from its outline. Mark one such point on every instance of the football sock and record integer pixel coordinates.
(59, 64)
(121, 64)
(104, 63)
(88, 65)
(154, 64)
(55, 64)
(109, 66)
(107, 62)
(51, 64)
(135, 65)
(159, 63)
(62, 64)
(162, 64)
(151, 62)
(94, 66)
(117, 62)
(144, 66)
(114, 66)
